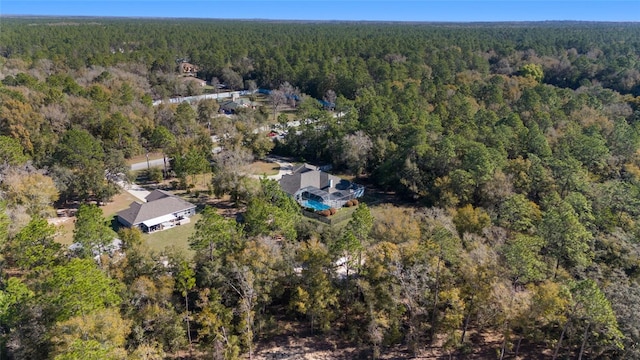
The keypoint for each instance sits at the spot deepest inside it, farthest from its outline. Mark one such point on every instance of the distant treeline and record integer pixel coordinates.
(339, 56)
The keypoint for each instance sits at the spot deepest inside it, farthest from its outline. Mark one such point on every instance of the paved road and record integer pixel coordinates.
(135, 189)
(190, 99)
(143, 164)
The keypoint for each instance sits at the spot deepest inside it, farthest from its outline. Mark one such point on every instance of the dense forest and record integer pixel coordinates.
(510, 153)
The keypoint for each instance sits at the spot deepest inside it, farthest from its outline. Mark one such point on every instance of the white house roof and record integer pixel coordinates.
(158, 220)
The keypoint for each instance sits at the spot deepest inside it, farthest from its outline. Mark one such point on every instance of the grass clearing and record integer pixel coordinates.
(119, 202)
(64, 235)
(263, 168)
(66, 226)
(201, 181)
(292, 114)
(261, 99)
(177, 237)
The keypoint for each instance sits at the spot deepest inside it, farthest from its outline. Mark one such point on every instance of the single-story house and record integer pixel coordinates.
(162, 210)
(187, 69)
(311, 187)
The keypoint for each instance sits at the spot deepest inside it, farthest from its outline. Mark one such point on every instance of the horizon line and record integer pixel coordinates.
(320, 20)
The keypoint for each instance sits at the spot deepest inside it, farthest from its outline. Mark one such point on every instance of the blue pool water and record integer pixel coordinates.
(316, 205)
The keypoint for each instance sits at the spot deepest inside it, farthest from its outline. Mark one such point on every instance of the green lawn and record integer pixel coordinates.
(177, 237)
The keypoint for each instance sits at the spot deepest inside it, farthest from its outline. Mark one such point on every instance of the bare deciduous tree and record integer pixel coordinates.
(276, 98)
(57, 116)
(251, 85)
(354, 152)
(215, 82)
(228, 178)
(244, 65)
(232, 79)
(291, 93)
(330, 97)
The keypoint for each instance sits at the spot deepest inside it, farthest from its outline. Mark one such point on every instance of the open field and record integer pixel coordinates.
(201, 181)
(263, 168)
(177, 237)
(67, 224)
(119, 202)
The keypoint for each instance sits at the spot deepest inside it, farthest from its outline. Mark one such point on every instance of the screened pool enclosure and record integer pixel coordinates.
(312, 196)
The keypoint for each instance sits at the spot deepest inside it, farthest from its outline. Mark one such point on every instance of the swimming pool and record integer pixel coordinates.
(316, 205)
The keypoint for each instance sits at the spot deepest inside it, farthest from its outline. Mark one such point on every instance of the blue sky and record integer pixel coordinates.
(412, 10)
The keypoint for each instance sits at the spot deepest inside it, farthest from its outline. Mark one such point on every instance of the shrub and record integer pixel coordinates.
(349, 203)
(182, 184)
(333, 211)
(154, 174)
(325, 213)
(355, 202)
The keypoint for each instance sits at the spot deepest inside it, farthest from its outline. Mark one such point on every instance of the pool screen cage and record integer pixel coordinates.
(336, 199)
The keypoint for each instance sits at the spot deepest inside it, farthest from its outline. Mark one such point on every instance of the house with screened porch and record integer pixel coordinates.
(161, 211)
(313, 188)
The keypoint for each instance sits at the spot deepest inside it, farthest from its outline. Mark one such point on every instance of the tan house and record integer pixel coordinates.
(187, 69)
